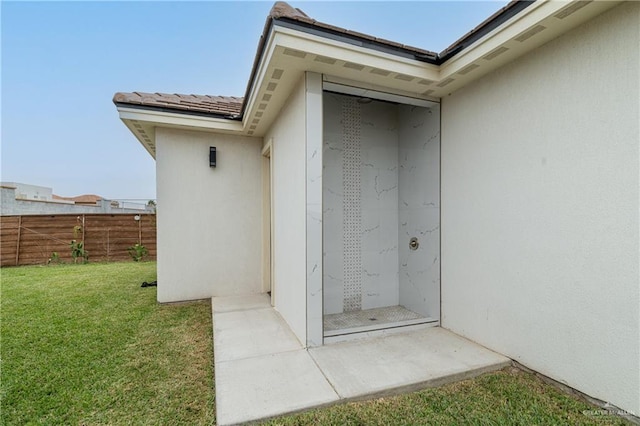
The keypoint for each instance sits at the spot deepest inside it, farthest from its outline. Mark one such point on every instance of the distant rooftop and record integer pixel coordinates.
(80, 199)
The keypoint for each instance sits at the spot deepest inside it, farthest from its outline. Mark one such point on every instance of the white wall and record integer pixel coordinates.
(209, 219)
(540, 211)
(419, 208)
(288, 169)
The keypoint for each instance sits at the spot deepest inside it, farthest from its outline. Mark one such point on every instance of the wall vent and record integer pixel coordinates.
(277, 73)
(271, 87)
(404, 77)
(262, 106)
(325, 60)
(428, 92)
(255, 121)
(572, 9)
(259, 114)
(266, 97)
(353, 66)
(494, 53)
(378, 71)
(445, 82)
(252, 127)
(293, 52)
(425, 82)
(468, 69)
(528, 34)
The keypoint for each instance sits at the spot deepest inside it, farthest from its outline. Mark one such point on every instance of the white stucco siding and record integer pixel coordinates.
(540, 209)
(289, 211)
(209, 219)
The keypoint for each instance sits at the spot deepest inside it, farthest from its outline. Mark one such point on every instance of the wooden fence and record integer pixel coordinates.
(31, 240)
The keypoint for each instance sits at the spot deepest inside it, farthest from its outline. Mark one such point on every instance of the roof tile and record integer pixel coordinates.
(221, 105)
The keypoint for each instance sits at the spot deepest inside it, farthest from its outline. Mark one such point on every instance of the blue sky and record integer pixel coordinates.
(63, 61)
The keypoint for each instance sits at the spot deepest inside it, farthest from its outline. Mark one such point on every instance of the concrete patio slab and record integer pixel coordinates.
(250, 333)
(403, 362)
(262, 371)
(254, 388)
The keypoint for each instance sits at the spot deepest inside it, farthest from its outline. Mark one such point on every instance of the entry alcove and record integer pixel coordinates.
(380, 212)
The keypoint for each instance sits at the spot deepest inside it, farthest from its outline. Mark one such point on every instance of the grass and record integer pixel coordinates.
(85, 345)
(507, 397)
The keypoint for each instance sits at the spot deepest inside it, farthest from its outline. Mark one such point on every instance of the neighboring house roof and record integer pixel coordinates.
(218, 105)
(80, 199)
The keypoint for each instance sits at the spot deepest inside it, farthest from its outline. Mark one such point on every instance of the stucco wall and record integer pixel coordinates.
(209, 219)
(540, 212)
(289, 212)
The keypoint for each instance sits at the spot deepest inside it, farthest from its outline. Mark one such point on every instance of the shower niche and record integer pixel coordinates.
(381, 213)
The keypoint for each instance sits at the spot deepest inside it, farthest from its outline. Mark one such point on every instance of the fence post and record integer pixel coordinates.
(18, 242)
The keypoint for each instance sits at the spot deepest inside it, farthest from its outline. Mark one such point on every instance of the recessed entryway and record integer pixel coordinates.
(381, 211)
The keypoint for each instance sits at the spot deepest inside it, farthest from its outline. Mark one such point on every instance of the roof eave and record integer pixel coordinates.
(142, 121)
(190, 112)
(484, 28)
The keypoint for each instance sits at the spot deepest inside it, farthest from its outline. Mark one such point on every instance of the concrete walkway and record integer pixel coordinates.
(262, 370)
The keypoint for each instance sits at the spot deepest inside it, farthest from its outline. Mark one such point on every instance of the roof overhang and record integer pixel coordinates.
(143, 122)
(290, 50)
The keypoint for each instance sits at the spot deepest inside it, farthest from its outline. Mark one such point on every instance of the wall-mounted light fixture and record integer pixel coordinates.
(212, 156)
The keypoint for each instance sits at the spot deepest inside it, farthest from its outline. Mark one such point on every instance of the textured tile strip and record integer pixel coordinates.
(352, 205)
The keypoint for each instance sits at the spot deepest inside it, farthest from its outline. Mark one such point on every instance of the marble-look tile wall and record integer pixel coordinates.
(360, 204)
(379, 205)
(332, 205)
(419, 208)
(380, 188)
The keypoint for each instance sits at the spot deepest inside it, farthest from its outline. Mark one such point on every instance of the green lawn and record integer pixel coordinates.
(85, 345)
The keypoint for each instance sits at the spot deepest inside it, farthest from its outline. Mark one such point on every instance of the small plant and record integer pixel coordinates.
(54, 259)
(137, 252)
(78, 252)
(77, 247)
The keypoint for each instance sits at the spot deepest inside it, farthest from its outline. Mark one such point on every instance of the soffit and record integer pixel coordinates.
(289, 52)
(538, 24)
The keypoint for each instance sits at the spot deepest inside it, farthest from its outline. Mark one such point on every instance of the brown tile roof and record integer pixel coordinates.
(282, 10)
(221, 105)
